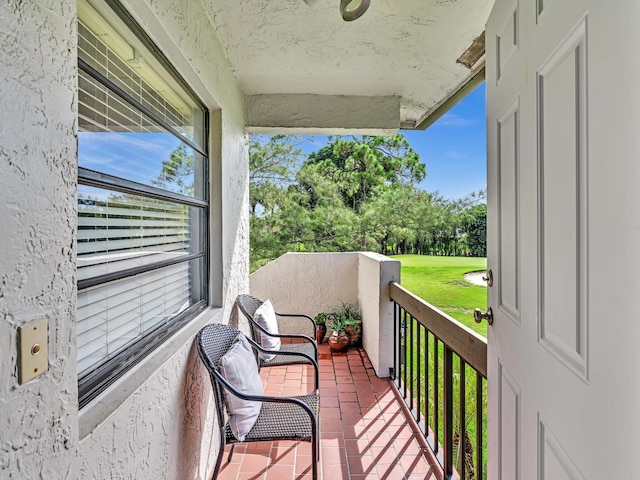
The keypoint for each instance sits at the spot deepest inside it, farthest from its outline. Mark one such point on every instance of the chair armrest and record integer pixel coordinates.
(293, 335)
(262, 398)
(313, 361)
(283, 335)
(300, 315)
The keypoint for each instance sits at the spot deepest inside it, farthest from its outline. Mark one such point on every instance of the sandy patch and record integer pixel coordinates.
(476, 277)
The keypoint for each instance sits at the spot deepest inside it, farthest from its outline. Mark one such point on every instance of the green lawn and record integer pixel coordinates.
(440, 281)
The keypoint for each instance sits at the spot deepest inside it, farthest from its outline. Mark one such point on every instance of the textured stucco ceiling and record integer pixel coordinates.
(404, 48)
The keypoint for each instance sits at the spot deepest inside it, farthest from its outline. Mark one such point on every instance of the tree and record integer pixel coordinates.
(271, 166)
(391, 221)
(475, 227)
(364, 167)
(350, 187)
(178, 170)
(356, 193)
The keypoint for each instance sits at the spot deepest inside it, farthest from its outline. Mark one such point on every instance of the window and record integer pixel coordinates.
(142, 198)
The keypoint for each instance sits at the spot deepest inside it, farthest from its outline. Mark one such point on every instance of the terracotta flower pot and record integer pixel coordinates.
(338, 341)
(321, 331)
(354, 332)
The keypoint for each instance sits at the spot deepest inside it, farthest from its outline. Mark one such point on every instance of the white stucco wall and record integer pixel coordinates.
(375, 271)
(307, 283)
(38, 420)
(155, 422)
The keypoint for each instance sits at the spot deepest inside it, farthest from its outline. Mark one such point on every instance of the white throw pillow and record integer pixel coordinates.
(238, 366)
(265, 316)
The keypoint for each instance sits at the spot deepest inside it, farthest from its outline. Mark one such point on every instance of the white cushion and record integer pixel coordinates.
(265, 316)
(238, 366)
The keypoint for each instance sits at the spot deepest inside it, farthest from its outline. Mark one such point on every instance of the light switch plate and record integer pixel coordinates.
(33, 340)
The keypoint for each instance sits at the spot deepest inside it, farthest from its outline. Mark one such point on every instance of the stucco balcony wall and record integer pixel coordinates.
(317, 282)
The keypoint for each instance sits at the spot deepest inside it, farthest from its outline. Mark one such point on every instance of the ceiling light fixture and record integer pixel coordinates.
(353, 9)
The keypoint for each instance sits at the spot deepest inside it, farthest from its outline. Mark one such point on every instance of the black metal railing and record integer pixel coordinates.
(440, 368)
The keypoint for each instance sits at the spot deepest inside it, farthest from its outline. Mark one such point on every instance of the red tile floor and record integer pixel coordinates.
(363, 428)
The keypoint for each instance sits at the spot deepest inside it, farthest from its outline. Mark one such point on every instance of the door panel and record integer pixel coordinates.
(507, 39)
(509, 421)
(554, 464)
(508, 214)
(563, 230)
(562, 154)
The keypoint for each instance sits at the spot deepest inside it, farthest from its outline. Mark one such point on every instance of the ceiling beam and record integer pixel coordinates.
(322, 114)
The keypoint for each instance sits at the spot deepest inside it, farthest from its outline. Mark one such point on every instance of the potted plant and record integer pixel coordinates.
(353, 327)
(339, 340)
(321, 324)
(352, 321)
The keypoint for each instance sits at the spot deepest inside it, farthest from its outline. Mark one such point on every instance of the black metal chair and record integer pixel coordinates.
(280, 418)
(307, 346)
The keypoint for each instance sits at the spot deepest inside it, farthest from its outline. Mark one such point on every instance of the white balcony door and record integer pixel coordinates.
(563, 113)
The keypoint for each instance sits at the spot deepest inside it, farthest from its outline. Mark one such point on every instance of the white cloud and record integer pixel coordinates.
(453, 120)
(139, 141)
(455, 154)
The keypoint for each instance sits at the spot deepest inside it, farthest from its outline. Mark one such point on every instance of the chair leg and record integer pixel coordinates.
(231, 453)
(216, 470)
(315, 447)
(314, 459)
(317, 439)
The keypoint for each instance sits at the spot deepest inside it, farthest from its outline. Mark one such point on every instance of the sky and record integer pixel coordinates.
(453, 148)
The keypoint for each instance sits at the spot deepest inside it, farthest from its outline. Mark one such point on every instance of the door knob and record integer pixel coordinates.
(479, 315)
(489, 278)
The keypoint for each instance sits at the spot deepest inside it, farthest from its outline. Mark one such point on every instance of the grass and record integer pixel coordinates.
(440, 281)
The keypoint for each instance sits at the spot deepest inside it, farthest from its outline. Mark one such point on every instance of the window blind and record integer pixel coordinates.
(112, 316)
(117, 232)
